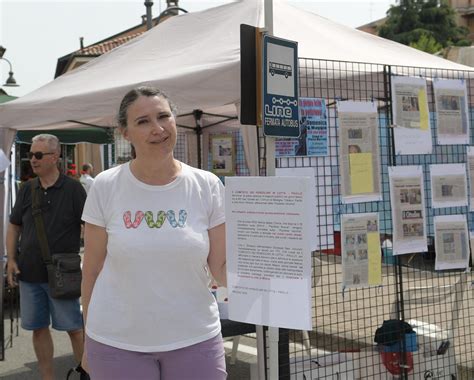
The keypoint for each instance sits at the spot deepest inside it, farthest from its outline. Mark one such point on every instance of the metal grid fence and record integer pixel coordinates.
(341, 343)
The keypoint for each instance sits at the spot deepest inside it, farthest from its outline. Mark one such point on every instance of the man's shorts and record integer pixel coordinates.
(38, 309)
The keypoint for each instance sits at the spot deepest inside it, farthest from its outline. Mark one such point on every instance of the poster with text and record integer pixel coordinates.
(359, 157)
(470, 172)
(451, 242)
(408, 209)
(452, 120)
(322, 169)
(448, 185)
(315, 241)
(268, 223)
(411, 116)
(361, 253)
(313, 139)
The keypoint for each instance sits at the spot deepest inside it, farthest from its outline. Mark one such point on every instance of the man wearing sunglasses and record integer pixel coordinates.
(61, 201)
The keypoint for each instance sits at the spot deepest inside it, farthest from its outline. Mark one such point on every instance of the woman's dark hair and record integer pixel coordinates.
(133, 95)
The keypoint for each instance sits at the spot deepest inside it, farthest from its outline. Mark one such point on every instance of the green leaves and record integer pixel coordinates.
(427, 25)
(426, 43)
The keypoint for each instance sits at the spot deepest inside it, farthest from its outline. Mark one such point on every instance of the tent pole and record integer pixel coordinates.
(270, 171)
(197, 117)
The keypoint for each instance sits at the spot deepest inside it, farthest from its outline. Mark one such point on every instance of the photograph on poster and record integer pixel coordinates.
(451, 242)
(359, 157)
(408, 215)
(222, 151)
(448, 185)
(411, 116)
(452, 119)
(313, 139)
(361, 255)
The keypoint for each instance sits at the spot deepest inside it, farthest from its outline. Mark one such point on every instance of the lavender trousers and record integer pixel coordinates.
(201, 361)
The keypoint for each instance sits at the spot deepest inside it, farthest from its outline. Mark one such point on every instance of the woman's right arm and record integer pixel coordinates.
(95, 250)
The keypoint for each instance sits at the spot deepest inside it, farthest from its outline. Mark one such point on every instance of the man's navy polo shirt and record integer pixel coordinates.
(61, 206)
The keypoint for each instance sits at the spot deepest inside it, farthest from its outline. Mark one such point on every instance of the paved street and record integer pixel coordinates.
(20, 361)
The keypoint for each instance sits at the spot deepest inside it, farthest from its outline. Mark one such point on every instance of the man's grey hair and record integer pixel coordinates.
(51, 140)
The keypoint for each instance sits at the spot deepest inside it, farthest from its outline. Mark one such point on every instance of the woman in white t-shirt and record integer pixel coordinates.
(154, 230)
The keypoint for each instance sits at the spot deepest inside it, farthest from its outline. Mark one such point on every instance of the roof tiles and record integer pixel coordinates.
(104, 47)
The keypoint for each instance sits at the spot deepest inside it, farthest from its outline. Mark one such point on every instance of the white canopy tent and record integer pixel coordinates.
(195, 58)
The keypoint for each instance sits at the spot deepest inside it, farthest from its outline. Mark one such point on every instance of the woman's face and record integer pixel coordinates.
(151, 126)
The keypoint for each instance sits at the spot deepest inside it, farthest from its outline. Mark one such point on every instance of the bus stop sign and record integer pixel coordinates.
(280, 87)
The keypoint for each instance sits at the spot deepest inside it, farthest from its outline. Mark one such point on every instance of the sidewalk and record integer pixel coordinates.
(20, 361)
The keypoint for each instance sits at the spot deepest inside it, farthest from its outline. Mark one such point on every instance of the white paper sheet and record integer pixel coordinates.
(361, 252)
(411, 116)
(359, 153)
(451, 242)
(311, 174)
(4, 161)
(408, 209)
(470, 176)
(322, 171)
(452, 119)
(269, 251)
(448, 185)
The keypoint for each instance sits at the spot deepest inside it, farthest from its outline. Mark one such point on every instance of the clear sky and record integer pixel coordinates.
(36, 33)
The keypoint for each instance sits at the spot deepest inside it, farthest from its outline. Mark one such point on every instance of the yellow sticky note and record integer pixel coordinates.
(362, 179)
(375, 258)
(424, 115)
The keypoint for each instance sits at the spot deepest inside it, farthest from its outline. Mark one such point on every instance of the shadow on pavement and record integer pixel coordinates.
(30, 370)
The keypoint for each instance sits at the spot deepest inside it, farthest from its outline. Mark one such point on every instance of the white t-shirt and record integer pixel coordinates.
(153, 291)
(86, 181)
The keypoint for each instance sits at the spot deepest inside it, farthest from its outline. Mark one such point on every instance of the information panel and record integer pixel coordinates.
(268, 228)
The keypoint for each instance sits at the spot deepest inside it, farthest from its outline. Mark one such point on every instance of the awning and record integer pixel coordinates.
(6, 98)
(94, 135)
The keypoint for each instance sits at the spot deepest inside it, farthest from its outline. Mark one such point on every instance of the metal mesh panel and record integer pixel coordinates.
(180, 151)
(341, 344)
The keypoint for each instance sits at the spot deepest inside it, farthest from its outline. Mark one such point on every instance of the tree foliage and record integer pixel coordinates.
(424, 24)
(427, 43)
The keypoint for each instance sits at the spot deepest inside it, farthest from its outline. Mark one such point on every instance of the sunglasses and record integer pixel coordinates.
(37, 155)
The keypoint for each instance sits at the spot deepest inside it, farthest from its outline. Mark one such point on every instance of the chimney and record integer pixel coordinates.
(172, 3)
(81, 42)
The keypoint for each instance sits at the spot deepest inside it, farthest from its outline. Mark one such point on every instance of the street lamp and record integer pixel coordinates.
(10, 82)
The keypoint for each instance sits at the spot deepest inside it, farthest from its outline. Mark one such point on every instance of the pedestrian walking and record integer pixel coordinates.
(60, 201)
(86, 176)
